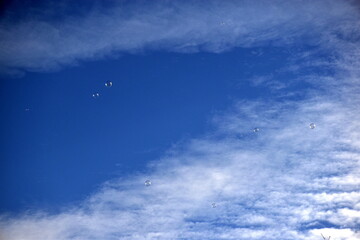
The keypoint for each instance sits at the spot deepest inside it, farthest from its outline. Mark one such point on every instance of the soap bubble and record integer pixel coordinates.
(147, 183)
(96, 95)
(108, 84)
(312, 125)
(214, 205)
(256, 130)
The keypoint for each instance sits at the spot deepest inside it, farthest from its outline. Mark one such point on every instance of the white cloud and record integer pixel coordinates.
(37, 44)
(285, 182)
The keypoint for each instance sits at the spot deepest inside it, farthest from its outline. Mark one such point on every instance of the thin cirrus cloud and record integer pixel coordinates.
(286, 181)
(35, 44)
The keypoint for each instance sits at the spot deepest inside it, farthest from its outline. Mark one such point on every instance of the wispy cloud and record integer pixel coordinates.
(286, 181)
(37, 43)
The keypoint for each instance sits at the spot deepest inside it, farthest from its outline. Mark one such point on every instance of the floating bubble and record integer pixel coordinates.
(256, 130)
(96, 95)
(214, 205)
(312, 125)
(147, 183)
(108, 84)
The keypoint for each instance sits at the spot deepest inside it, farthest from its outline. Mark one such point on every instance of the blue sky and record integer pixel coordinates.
(191, 80)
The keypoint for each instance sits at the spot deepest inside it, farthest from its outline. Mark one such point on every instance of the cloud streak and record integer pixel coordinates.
(37, 43)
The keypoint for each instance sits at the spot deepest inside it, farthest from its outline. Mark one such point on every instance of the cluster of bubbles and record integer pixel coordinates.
(96, 95)
(107, 84)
